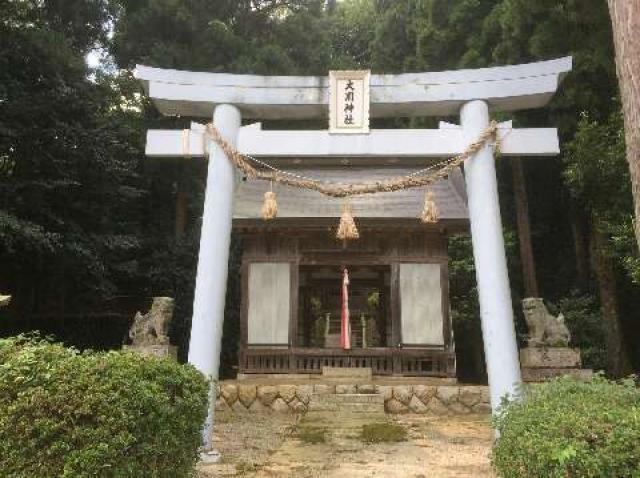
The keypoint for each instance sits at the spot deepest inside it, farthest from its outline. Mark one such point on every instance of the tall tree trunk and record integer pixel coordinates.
(618, 363)
(524, 230)
(625, 18)
(182, 199)
(480, 363)
(580, 232)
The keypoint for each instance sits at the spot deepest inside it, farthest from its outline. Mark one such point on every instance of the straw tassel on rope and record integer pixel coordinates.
(430, 210)
(347, 229)
(270, 206)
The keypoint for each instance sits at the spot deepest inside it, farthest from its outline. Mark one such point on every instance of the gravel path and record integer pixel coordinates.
(266, 445)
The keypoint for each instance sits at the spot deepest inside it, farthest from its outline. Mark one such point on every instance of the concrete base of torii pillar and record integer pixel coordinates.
(213, 259)
(496, 312)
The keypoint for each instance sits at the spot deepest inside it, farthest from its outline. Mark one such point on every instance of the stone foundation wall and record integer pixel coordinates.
(427, 399)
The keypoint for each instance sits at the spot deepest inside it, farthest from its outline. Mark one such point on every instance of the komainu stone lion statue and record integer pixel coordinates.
(152, 328)
(545, 330)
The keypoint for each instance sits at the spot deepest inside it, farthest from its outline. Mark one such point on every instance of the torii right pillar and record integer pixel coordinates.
(496, 312)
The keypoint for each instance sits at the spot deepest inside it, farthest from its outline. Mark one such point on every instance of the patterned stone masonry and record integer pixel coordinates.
(425, 399)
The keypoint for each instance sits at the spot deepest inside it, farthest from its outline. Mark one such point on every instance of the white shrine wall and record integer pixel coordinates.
(269, 303)
(421, 314)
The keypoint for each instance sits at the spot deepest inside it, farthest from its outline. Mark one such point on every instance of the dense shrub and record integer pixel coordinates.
(569, 428)
(69, 414)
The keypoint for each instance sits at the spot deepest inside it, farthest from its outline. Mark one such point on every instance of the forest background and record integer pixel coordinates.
(90, 229)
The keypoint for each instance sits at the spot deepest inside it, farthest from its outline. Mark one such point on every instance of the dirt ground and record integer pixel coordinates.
(267, 445)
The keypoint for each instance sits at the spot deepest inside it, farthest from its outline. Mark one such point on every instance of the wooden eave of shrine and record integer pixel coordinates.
(384, 209)
(300, 226)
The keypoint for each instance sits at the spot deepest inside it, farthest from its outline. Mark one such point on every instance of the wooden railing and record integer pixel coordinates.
(312, 360)
(382, 361)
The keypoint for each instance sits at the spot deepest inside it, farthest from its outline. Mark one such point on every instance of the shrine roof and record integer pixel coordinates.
(450, 197)
(505, 88)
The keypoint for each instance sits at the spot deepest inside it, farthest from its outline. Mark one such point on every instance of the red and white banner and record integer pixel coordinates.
(345, 326)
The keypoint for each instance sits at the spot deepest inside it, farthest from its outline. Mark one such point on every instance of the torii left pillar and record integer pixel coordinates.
(213, 259)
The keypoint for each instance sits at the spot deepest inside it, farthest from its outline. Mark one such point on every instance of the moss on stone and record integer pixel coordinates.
(309, 434)
(383, 432)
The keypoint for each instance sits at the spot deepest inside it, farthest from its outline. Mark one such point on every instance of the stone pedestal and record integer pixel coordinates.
(363, 373)
(544, 363)
(162, 351)
(405, 395)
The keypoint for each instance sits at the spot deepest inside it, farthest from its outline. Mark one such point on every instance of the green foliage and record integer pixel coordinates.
(69, 156)
(259, 37)
(428, 35)
(81, 22)
(598, 176)
(583, 317)
(596, 167)
(464, 292)
(517, 31)
(383, 433)
(352, 32)
(67, 414)
(569, 428)
(465, 308)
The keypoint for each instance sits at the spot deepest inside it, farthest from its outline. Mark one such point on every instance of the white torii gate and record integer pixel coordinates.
(469, 93)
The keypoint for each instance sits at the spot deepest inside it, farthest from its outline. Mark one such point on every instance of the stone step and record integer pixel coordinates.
(342, 406)
(531, 374)
(330, 417)
(343, 398)
(347, 408)
(343, 415)
(342, 421)
(363, 373)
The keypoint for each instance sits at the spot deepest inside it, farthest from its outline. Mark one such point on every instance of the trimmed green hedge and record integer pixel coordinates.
(69, 414)
(569, 428)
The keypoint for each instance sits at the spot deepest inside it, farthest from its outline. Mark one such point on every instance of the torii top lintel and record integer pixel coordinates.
(504, 88)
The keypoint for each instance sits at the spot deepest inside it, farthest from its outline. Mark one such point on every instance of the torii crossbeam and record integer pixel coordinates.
(469, 93)
(447, 141)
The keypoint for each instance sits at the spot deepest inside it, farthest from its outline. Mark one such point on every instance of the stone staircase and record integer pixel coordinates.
(350, 403)
(343, 415)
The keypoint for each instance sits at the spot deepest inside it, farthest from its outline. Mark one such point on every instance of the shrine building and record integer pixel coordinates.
(292, 272)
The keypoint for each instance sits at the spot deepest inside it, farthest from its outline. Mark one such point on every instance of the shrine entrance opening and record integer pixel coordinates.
(321, 306)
